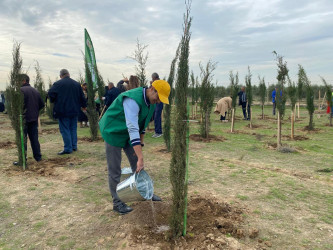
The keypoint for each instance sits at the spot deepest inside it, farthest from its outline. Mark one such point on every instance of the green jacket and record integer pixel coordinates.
(113, 123)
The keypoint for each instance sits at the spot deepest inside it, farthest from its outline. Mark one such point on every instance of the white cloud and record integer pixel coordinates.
(233, 33)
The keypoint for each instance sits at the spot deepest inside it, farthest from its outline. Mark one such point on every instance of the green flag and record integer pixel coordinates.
(90, 57)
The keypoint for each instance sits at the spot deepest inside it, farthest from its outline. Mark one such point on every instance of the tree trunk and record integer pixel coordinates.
(311, 122)
(250, 117)
(319, 100)
(193, 111)
(232, 120)
(292, 124)
(298, 110)
(331, 118)
(206, 125)
(262, 112)
(279, 131)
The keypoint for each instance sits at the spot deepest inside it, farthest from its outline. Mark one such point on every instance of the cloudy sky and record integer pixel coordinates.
(234, 33)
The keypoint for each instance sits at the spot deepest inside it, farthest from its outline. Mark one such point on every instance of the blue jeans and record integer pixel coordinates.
(68, 130)
(158, 119)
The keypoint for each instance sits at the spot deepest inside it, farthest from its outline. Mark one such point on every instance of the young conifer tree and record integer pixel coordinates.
(262, 94)
(292, 93)
(300, 85)
(100, 86)
(206, 96)
(193, 93)
(179, 147)
(234, 88)
(196, 95)
(281, 96)
(91, 105)
(168, 108)
(15, 99)
(39, 84)
(329, 99)
(249, 95)
(141, 58)
(309, 95)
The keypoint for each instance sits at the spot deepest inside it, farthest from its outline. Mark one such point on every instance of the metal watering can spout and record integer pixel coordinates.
(138, 186)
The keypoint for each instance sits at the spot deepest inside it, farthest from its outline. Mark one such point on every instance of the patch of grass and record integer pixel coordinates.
(39, 225)
(68, 245)
(276, 193)
(242, 197)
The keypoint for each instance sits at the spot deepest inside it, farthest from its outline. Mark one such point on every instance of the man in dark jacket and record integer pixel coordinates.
(111, 95)
(243, 102)
(33, 103)
(68, 99)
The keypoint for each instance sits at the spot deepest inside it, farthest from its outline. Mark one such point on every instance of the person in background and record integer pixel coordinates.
(243, 102)
(33, 103)
(68, 98)
(111, 95)
(120, 85)
(158, 112)
(274, 100)
(133, 82)
(82, 118)
(222, 107)
(2, 102)
(123, 127)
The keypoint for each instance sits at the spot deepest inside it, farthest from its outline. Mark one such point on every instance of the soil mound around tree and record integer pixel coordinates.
(7, 145)
(211, 138)
(283, 149)
(314, 130)
(56, 167)
(296, 137)
(256, 126)
(49, 131)
(210, 225)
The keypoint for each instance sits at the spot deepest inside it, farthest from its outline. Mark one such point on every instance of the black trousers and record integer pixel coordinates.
(244, 110)
(31, 129)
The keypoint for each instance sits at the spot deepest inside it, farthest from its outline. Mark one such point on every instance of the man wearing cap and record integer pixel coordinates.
(123, 127)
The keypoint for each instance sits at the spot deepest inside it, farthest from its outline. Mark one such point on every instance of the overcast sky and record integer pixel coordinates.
(234, 33)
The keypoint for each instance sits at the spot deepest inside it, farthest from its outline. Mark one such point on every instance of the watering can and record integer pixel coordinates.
(136, 187)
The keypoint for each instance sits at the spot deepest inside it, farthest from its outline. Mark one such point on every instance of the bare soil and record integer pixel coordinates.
(211, 224)
(48, 168)
(211, 138)
(88, 139)
(48, 131)
(7, 144)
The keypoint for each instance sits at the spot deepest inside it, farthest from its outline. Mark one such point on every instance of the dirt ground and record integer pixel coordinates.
(243, 192)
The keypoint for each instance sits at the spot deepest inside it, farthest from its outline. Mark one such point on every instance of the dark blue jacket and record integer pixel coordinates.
(32, 103)
(111, 95)
(68, 98)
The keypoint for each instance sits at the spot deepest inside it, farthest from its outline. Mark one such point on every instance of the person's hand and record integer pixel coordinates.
(139, 165)
(125, 79)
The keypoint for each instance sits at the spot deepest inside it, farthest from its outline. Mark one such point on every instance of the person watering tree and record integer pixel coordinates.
(123, 127)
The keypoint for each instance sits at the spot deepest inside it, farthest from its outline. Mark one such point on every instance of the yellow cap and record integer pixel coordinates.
(163, 90)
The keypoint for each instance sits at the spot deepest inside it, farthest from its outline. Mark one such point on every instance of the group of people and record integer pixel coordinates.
(128, 111)
(225, 104)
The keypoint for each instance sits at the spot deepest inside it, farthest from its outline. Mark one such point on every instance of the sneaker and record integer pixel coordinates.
(122, 208)
(157, 135)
